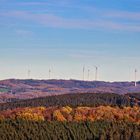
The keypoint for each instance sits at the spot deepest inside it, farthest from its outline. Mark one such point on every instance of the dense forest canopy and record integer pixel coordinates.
(40, 130)
(87, 116)
(83, 99)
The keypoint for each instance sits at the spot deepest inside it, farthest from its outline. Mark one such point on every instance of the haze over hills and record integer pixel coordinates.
(12, 89)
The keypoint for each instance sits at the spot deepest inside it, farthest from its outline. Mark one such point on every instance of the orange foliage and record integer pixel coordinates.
(1, 117)
(75, 114)
(58, 116)
(66, 109)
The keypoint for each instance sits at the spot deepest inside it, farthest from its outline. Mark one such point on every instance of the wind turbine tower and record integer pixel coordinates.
(49, 73)
(83, 73)
(88, 74)
(135, 77)
(29, 73)
(96, 73)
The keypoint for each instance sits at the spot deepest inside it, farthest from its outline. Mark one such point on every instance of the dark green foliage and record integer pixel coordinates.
(134, 95)
(4, 89)
(84, 99)
(134, 98)
(99, 130)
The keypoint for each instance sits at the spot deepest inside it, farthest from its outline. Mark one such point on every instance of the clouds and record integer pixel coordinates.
(74, 15)
(124, 15)
(23, 33)
(48, 2)
(102, 22)
(69, 33)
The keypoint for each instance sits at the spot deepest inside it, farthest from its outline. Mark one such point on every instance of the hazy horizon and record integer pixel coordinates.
(66, 35)
(70, 80)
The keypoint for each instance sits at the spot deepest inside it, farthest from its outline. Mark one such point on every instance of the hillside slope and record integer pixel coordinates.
(14, 89)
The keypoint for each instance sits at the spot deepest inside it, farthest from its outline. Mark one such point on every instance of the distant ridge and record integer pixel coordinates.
(30, 88)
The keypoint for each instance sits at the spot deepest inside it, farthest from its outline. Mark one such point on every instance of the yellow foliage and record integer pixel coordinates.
(66, 109)
(34, 109)
(79, 108)
(58, 116)
(35, 114)
(131, 114)
(79, 117)
(41, 108)
(30, 116)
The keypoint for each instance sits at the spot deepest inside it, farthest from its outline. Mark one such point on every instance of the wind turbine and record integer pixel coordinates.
(49, 73)
(83, 73)
(96, 73)
(88, 73)
(135, 77)
(29, 72)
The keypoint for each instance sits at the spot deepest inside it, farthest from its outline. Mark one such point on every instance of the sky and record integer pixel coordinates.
(65, 35)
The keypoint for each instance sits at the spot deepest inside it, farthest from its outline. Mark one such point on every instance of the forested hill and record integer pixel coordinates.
(103, 116)
(86, 99)
(14, 89)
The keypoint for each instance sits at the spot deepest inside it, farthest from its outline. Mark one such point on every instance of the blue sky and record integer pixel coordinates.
(65, 35)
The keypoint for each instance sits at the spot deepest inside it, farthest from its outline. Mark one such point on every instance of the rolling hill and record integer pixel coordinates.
(14, 89)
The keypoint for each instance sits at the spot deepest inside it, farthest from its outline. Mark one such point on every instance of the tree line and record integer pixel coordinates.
(73, 100)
